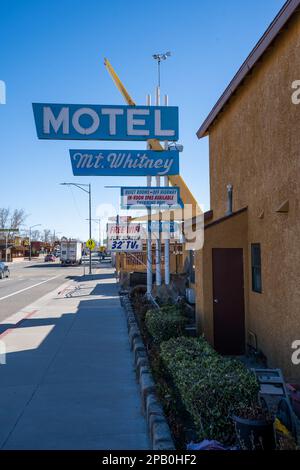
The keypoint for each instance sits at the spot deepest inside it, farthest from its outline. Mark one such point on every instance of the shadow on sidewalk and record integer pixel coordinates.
(69, 379)
(91, 277)
(43, 265)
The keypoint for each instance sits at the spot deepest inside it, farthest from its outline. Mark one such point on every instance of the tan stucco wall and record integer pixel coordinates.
(231, 233)
(255, 146)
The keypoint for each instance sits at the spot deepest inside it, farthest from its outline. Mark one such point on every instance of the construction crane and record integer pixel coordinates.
(154, 144)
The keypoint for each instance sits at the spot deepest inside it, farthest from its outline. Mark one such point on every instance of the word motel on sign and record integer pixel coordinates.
(103, 122)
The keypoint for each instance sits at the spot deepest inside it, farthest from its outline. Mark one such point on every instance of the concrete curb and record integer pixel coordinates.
(157, 424)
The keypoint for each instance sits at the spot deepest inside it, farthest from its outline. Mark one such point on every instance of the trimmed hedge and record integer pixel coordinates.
(165, 323)
(210, 386)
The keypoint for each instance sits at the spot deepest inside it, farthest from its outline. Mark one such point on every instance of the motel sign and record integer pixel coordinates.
(105, 122)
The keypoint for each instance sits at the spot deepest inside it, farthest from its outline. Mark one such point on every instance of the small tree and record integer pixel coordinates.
(18, 217)
(4, 215)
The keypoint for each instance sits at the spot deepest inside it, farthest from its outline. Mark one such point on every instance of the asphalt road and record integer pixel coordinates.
(31, 280)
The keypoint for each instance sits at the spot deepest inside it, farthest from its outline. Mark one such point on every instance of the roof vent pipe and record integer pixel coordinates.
(229, 199)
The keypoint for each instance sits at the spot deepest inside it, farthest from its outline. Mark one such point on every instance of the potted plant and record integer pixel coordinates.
(254, 427)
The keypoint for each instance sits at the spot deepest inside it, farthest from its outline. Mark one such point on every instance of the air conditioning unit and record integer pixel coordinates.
(190, 295)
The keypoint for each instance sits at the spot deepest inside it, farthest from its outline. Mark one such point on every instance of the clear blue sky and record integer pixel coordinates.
(53, 50)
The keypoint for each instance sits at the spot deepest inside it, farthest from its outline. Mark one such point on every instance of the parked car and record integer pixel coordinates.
(49, 258)
(4, 270)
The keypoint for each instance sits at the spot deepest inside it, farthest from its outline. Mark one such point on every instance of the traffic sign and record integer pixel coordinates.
(90, 244)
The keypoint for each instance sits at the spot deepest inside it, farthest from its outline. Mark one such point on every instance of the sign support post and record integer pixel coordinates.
(149, 236)
(90, 226)
(158, 241)
(167, 239)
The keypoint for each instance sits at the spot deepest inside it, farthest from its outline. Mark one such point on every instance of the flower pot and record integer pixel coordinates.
(255, 434)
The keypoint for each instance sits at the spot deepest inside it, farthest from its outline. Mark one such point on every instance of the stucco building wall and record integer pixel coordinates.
(231, 233)
(255, 146)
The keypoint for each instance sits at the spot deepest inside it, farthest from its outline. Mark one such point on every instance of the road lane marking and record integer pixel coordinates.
(29, 287)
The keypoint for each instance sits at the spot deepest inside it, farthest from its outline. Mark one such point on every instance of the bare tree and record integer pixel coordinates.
(36, 235)
(47, 235)
(18, 217)
(12, 220)
(4, 216)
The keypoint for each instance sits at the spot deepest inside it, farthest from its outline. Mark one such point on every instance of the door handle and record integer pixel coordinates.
(216, 301)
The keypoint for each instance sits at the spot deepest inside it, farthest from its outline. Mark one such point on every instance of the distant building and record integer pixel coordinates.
(10, 251)
(248, 273)
(5, 251)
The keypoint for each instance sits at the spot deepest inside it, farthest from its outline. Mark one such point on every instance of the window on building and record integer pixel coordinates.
(256, 267)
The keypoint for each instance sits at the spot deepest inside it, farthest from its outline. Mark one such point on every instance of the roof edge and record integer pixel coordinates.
(259, 49)
(226, 217)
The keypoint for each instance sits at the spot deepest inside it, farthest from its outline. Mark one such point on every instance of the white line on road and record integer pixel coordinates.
(29, 287)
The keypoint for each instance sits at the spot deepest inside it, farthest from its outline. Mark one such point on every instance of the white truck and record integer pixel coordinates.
(70, 252)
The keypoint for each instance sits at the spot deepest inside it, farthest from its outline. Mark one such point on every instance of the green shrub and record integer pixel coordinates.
(209, 385)
(165, 323)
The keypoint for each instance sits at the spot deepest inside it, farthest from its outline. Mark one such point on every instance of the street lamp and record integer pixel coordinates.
(32, 226)
(88, 191)
(159, 58)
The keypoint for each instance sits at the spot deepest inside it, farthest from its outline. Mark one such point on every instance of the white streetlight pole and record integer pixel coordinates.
(167, 237)
(149, 234)
(89, 192)
(159, 58)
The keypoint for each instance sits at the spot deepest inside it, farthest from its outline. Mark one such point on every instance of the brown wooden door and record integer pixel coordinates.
(228, 300)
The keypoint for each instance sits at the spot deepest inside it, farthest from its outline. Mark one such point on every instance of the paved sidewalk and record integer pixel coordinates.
(68, 381)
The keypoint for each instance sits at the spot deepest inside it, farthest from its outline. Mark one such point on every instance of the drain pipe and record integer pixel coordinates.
(229, 199)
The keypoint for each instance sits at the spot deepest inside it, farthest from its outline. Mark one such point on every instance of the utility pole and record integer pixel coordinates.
(89, 192)
(99, 223)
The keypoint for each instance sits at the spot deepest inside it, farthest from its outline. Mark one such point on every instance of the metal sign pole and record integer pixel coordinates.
(167, 239)
(90, 226)
(149, 235)
(158, 241)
